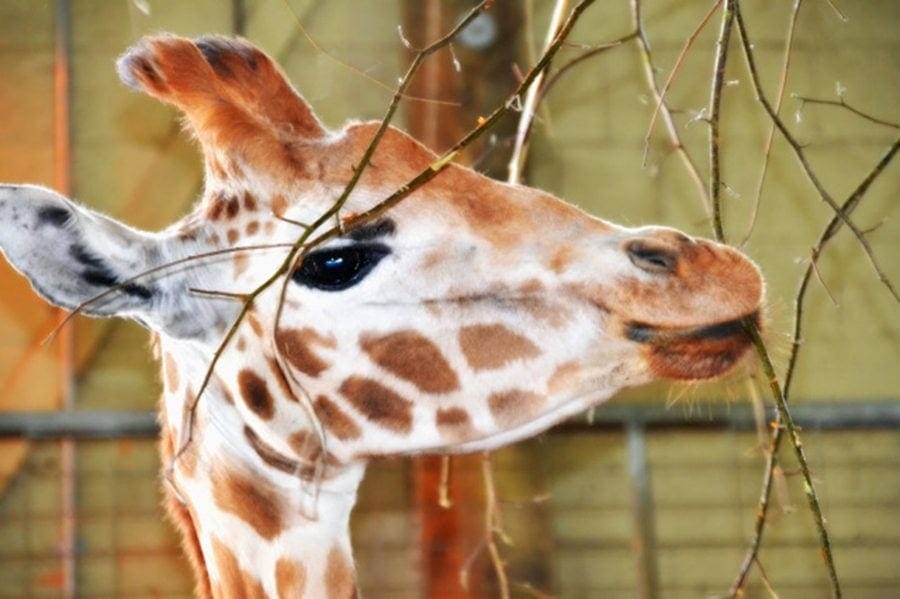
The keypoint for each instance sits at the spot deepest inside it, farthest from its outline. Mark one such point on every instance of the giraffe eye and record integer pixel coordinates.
(339, 268)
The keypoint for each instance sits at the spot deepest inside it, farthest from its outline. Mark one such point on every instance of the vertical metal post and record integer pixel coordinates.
(63, 184)
(644, 539)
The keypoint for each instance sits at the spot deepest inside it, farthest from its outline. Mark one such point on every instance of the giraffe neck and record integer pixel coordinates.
(261, 529)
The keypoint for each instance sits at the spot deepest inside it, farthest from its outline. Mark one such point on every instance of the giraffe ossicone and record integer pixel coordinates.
(470, 315)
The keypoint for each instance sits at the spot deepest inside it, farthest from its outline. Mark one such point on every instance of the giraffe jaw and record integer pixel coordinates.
(694, 353)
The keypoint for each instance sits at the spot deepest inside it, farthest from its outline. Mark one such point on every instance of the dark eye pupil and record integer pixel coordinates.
(337, 269)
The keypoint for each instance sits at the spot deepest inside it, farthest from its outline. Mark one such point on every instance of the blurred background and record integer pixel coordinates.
(651, 495)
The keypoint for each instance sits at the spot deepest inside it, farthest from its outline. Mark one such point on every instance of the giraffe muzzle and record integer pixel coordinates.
(694, 353)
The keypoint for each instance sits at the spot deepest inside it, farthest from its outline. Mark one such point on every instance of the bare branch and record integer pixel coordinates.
(159, 269)
(492, 524)
(682, 54)
(843, 104)
(589, 53)
(318, 48)
(715, 103)
(767, 149)
(801, 156)
(532, 97)
(674, 137)
(771, 461)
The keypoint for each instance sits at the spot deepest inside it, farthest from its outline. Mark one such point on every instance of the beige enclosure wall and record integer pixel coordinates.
(566, 498)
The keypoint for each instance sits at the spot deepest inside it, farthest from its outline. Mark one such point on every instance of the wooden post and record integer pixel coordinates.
(475, 75)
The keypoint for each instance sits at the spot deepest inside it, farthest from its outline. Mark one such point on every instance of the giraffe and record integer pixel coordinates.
(470, 315)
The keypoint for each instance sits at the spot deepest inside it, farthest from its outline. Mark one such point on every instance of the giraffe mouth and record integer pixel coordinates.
(694, 353)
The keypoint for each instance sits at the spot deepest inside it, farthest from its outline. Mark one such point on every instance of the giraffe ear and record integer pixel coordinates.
(233, 95)
(71, 254)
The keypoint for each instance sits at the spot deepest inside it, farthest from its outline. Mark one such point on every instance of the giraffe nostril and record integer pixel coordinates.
(650, 257)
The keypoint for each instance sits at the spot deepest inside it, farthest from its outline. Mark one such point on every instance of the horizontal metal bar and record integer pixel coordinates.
(105, 424)
(813, 415)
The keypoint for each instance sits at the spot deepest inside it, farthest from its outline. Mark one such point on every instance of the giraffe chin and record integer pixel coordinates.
(695, 353)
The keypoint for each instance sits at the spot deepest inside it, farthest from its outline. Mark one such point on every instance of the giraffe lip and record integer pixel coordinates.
(693, 353)
(656, 335)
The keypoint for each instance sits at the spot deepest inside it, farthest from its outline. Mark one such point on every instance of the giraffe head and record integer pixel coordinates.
(471, 314)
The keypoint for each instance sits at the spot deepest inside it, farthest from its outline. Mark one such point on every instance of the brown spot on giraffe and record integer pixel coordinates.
(214, 207)
(290, 578)
(268, 454)
(552, 314)
(378, 403)
(232, 207)
(305, 444)
(296, 346)
(248, 499)
(412, 357)
(339, 576)
(255, 393)
(240, 262)
(563, 377)
(514, 407)
(241, 344)
(249, 201)
(234, 582)
(436, 258)
(493, 346)
(454, 425)
(227, 396)
(308, 448)
(170, 372)
(279, 204)
(336, 420)
(232, 235)
(252, 228)
(561, 258)
(531, 287)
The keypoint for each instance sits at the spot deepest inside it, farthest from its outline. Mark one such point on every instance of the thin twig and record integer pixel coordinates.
(520, 146)
(767, 148)
(158, 269)
(668, 120)
(492, 524)
(679, 60)
(715, 105)
(837, 11)
(356, 70)
(834, 225)
(801, 156)
(843, 104)
(765, 578)
(787, 422)
(552, 79)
